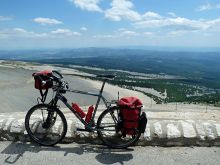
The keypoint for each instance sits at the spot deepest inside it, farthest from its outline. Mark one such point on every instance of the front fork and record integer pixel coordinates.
(50, 120)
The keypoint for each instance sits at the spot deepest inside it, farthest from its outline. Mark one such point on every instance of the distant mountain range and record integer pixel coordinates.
(196, 74)
(199, 67)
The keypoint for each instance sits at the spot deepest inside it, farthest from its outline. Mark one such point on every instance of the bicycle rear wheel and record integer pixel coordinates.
(109, 132)
(45, 125)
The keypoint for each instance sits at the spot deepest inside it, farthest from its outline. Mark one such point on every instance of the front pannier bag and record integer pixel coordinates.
(131, 117)
(42, 76)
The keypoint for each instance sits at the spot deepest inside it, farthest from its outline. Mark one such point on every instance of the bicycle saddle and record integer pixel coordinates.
(106, 76)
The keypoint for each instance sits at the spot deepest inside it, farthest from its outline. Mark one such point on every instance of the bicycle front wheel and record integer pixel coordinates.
(109, 132)
(45, 125)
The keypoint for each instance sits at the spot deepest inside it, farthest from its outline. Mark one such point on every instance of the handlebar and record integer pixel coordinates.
(57, 73)
(55, 76)
(49, 76)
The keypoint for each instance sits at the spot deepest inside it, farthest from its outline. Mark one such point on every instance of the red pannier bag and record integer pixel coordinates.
(130, 109)
(42, 76)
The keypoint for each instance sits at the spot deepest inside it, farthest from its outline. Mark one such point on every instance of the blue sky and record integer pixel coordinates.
(33, 24)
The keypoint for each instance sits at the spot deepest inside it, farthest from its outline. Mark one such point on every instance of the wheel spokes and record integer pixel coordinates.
(46, 126)
(112, 132)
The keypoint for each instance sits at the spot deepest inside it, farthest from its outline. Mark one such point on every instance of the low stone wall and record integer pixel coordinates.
(182, 133)
(158, 132)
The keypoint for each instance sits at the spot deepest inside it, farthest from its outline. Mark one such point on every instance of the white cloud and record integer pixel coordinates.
(20, 30)
(47, 21)
(105, 36)
(151, 15)
(128, 33)
(89, 5)
(176, 33)
(66, 32)
(4, 18)
(122, 9)
(83, 29)
(147, 33)
(120, 33)
(121, 29)
(172, 14)
(179, 23)
(22, 33)
(208, 6)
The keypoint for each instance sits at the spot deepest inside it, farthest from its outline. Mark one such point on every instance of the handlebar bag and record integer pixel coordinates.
(43, 76)
(130, 109)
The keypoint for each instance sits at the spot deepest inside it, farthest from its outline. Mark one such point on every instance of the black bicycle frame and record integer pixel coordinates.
(59, 96)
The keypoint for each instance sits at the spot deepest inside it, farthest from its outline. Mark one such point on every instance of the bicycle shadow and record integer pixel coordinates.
(16, 150)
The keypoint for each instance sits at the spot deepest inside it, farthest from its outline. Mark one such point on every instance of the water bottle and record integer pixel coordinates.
(89, 114)
(78, 110)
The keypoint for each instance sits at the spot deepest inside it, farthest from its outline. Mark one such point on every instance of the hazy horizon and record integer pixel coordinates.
(131, 47)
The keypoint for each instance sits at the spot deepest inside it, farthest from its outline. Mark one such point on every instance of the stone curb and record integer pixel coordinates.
(158, 132)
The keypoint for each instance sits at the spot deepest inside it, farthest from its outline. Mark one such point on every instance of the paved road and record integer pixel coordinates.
(88, 154)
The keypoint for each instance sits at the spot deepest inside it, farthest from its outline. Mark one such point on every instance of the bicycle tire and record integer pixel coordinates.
(114, 143)
(37, 129)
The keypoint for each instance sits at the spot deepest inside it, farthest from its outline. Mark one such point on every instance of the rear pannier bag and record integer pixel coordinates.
(43, 76)
(130, 114)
